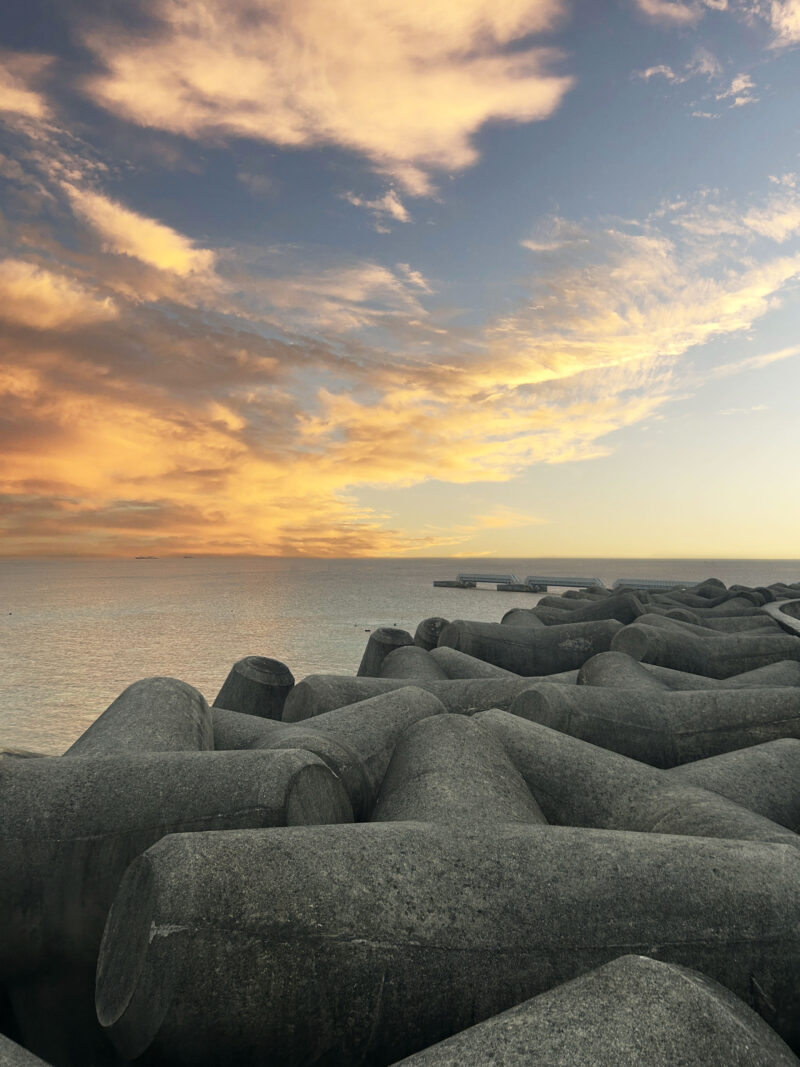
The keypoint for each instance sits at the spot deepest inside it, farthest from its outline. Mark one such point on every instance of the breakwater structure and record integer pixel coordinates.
(569, 837)
(509, 583)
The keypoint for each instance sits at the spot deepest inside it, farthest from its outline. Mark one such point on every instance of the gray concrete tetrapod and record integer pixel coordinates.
(363, 944)
(152, 715)
(449, 769)
(427, 633)
(256, 685)
(717, 657)
(664, 729)
(634, 1010)
(623, 606)
(522, 617)
(457, 664)
(14, 1055)
(764, 778)
(618, 670)
(355, 741)
(618, 793)
(380, 643)
(69, 830)
(320, 693)
(667, 622)
(411, 661)
(531, 652)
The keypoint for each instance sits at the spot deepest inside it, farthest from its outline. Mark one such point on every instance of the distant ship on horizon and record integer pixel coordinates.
(145, 557)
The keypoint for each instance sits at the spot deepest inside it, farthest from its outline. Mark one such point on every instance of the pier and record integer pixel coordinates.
(540, 583)
(510, 583)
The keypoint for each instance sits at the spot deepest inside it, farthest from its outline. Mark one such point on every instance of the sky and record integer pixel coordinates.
(377, 278)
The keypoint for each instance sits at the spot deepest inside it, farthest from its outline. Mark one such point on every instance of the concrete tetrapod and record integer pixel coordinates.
(633, 1010)
(256, 685)
(459, 665)
(153, 715)
(449, 769)
(363, 944)
(667, 622)
(618, 670)
(717, 657)
(664, 728)
(411, 661)
(618, 793)
(522, 617)
(355, 741)
(623, 606)
(69, 830)
(14, 1055)
(427, 633)
(319, 693)
(381, 642)
(764, 778)
(528, 651)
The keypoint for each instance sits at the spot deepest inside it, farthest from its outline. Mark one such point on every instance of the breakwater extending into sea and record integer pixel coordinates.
(570, 833)
(74, 633)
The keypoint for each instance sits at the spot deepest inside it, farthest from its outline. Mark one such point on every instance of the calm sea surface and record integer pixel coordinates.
(75, 633)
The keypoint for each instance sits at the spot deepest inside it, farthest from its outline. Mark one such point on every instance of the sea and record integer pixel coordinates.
(76, 632)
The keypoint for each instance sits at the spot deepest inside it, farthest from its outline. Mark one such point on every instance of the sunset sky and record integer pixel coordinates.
(377, 277)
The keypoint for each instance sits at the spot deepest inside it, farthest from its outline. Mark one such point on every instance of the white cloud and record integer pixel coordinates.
(388, 206)
(406, 84)
(739, 91)
(784, 16)
(679, 12)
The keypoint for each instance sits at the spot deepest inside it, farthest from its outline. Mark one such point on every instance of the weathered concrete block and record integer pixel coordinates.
(668, 728)
(764, 778)
(459, 665)
(617, 670)
(256, 685)
(21, 753)
(69, 830)
(618, 793)
(153, 715)
(355, 741)
(13, 1055)
(449, 769)
(522, 617)
(531, 652)
(319, 693)
(427, 633)
(717, 657)
(634, 1010)
(411, 661)
(381, 642)
(364, 944)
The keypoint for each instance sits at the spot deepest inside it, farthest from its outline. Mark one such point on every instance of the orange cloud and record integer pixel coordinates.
(127, 233)
(234, 443)
(19, 72)
(408, 85)
(44, 300)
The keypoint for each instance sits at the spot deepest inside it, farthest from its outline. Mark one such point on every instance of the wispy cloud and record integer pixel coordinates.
(406, 85)
(130, 234)
(387, 207)
(739, 92)
(19, 77)
(784, 17)
(42, 299)
(679, 12)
